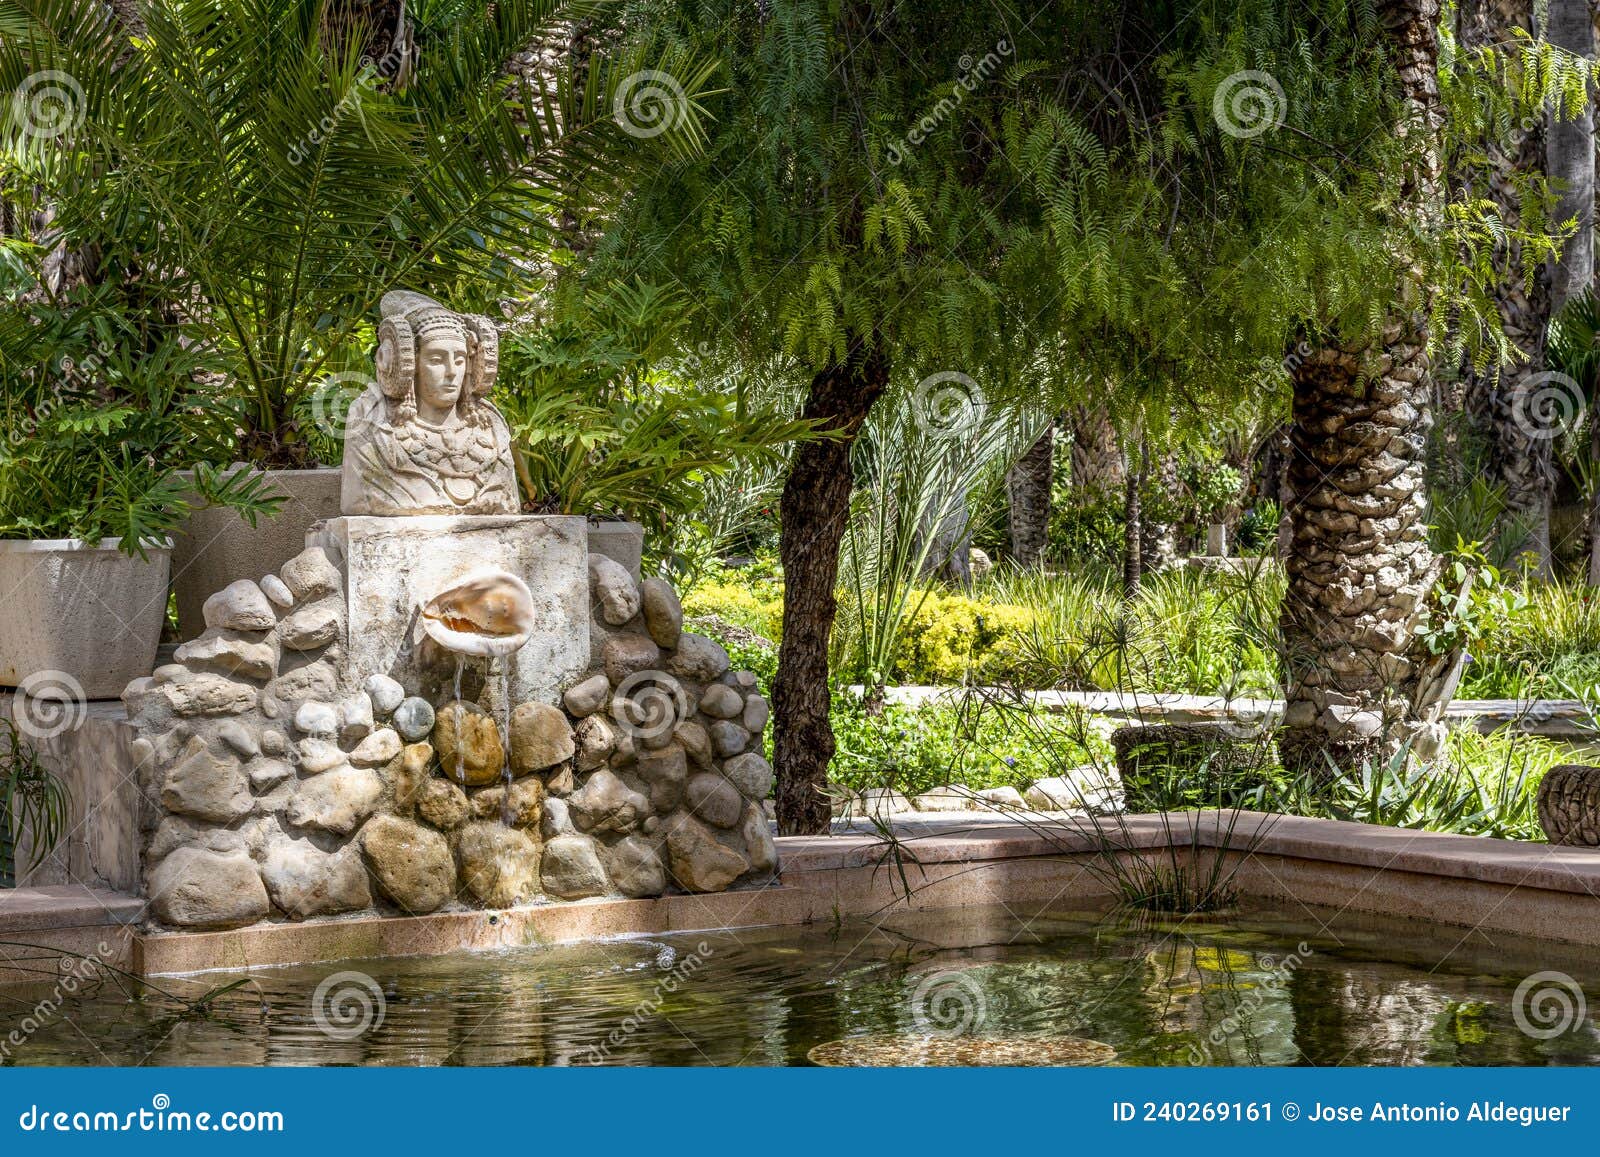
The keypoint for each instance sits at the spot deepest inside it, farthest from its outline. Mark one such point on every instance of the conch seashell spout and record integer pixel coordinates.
(489, 612)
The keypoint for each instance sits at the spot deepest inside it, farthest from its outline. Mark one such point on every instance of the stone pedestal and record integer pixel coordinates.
(392, 566)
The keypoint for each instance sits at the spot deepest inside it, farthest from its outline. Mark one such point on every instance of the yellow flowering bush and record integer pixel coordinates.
(757, 608)
(950, 636)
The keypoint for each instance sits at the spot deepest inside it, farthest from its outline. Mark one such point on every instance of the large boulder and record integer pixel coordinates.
(698, 862)
(442, 804)
(571, 868)
(499, 866)
(230, 652)
(758, 842)
(751, 774)
(635, 867)
(336, 801)
(411, 864)
(663, 613)
(612, 589)
(311, 627)
(305, 881)
(721, 701)
(593, 742)
(698, 658)
(196, 888)
(206, 786)
(626, 655)
(540, 737)
(587, 697)
(240, 606)
(205, 693)
(605, 804)
(467, 740)
(715, 800)
(310, 575)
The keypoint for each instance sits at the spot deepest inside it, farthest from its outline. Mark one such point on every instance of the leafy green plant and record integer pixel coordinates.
(604, 425)
(98, 410)
(246, 164)
(1483, 785)
(952, 741)
(32, 799)
(920, 475)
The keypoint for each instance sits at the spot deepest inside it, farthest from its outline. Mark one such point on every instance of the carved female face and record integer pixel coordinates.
(441, 374)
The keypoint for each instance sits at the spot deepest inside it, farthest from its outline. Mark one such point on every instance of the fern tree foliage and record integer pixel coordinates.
(251, 166)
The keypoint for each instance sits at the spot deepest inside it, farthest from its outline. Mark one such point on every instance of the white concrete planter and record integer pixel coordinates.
(1217, 540)
(217, 547)
(90, 613)
(621, 542)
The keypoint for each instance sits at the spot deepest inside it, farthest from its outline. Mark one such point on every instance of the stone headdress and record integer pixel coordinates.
(408, 319)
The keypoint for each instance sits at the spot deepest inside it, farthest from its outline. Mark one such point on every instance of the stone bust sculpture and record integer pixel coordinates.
(425, 439)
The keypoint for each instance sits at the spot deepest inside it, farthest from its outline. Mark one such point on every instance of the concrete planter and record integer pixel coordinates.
(90, 613)
(217, 547)
(621, 542)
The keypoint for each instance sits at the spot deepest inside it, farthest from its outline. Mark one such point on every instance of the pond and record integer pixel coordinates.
(1262, 987)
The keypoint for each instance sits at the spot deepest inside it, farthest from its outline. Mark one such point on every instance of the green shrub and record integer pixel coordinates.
(951, 639)
(916, 749)
(757, 605)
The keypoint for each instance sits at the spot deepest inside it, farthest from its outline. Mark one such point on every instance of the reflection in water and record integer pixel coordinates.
(1251, 989)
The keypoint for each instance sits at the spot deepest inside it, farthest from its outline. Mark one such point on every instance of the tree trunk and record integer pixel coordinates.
(1520, 429)
(1359, 566)
(1132, 529)
(1159, 545)
(1594, 506)
(1096, 458)
(1570, 160)
(1028, 493)
(814, 510)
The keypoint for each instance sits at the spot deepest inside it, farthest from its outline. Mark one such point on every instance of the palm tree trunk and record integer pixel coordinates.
(1570, 159)
(1360, 566)
(1520, 432)
(1096, 458)
(1133, 528)
(814, 509)
(1028, 494)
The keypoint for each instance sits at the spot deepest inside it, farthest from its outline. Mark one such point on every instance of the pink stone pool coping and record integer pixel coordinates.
(951, 860)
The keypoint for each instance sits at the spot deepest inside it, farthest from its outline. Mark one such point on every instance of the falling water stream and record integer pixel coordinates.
(455, 701)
